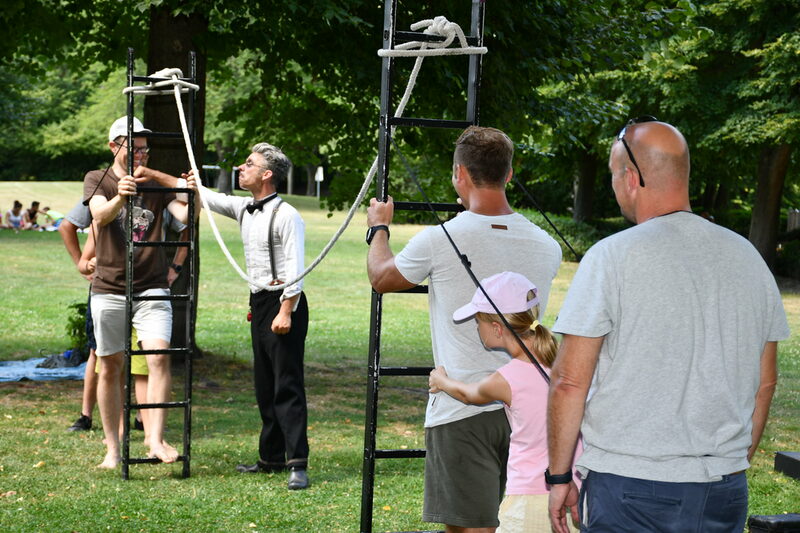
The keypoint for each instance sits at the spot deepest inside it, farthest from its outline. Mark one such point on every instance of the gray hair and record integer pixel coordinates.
(275, 160)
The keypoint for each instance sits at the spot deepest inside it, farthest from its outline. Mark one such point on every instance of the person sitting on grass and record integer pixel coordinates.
(13, 217)
(519, 385)
(29, 217)
(52, 219)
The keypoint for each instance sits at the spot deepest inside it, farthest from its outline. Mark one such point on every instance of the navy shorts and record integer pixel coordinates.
(618, 504)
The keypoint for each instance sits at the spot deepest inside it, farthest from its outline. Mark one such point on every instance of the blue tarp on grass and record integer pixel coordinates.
(26, 370)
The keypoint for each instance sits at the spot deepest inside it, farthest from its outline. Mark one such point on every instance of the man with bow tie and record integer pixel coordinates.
(273, 234)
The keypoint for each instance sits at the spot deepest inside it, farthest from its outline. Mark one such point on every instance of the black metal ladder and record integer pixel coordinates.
(189, 350)
(391, 37)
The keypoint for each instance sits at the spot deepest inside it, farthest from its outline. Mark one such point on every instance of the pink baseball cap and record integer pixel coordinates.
(508, 291)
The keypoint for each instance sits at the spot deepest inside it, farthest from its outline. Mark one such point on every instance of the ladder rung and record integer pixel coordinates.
(143, 460)
(429, 122)
(162, 134)
(168, 351)
(402, 36)
(150, 79)
(163, 189)
(405, 370)
(399, 454)
(163, 405)
(424, 206)
(169, 297)
(156, 244)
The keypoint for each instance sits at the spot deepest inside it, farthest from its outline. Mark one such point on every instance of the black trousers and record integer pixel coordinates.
(279, 381)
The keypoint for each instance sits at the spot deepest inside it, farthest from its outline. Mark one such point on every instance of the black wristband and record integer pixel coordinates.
(176, 267)
(558, 479)
(374, 229)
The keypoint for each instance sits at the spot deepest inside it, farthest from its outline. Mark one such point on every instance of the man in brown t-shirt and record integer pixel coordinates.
(107, 193)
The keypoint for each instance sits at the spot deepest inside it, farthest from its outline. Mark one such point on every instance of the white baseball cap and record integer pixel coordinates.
(120, 128)
(508, 291)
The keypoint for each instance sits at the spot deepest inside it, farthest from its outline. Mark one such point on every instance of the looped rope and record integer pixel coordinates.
(437, 26)
(153, 88)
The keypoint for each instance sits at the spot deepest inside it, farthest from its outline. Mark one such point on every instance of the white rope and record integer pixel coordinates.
(436, 26)
(171, 76)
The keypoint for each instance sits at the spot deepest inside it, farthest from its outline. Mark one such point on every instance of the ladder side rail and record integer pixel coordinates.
(128, 286)
(190, 285)
(382, 192)
(371, 418)
(475, 61)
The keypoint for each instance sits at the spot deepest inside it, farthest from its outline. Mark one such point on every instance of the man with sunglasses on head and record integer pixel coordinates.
(273, 234)
(107, 193)
(467, 445)
(674, 325)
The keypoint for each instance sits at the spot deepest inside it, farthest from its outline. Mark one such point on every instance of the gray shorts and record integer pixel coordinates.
(151, 319)
(465, 470)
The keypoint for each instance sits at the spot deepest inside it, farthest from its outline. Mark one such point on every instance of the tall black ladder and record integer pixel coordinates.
(189, 350)
(391, 37)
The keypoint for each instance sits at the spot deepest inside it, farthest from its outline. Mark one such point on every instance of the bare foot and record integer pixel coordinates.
(164, 451)
(111, 461)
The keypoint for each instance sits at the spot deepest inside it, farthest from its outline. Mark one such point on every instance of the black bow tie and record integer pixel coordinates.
(259, 205)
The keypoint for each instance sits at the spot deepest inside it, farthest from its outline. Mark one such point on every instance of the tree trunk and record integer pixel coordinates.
(764, 222)
(709, 195)
(584, 187)
(170, 40)
(224, 177)
(311, 185)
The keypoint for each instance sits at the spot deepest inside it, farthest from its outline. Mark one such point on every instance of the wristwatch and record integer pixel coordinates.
(375, 229)
(558, 479)
(176, 267)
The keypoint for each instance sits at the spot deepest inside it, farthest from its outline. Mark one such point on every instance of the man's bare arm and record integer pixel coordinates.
(69, 234)
(766, 389)
(569, 386)
(381, 269)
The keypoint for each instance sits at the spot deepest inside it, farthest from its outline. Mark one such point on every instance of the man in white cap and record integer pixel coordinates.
(107, 193)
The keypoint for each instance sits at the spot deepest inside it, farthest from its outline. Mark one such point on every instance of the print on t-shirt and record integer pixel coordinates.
(142, 218)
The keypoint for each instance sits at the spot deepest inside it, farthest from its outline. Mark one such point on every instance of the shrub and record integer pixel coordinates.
(76, 328)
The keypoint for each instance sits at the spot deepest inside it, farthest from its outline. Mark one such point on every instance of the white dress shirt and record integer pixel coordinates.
(289, 235)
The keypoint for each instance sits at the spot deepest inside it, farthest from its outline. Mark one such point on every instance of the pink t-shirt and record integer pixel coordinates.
(527, 415)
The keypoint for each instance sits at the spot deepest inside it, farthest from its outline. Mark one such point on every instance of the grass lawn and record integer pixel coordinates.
(47, 477)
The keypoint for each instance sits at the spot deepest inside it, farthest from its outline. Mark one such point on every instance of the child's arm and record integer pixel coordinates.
(490, 389)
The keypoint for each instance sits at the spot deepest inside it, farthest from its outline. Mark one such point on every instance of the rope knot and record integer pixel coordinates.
(436, 26)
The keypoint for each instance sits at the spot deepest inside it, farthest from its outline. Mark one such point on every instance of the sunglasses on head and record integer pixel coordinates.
(621, 137)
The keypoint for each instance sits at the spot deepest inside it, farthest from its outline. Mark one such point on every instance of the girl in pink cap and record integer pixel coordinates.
(519, 385)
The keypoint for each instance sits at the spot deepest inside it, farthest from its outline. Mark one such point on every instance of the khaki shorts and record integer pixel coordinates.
(526, 513)
(465, 470)
(151, 319)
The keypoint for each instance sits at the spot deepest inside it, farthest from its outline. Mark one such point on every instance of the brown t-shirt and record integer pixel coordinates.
(150, 263)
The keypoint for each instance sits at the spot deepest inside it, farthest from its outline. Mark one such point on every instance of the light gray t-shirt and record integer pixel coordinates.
(686, 308)
(492, 244)
(79, 215)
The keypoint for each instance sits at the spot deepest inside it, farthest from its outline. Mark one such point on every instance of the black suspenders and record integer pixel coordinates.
(272, 243)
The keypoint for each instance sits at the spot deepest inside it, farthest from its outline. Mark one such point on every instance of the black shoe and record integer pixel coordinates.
(84, 423)
(298, 479)
(261, 468)
(137, 424)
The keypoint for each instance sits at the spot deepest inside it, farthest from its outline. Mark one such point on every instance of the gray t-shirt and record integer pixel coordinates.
(79, 215)
(686, 308)
(492, 244)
